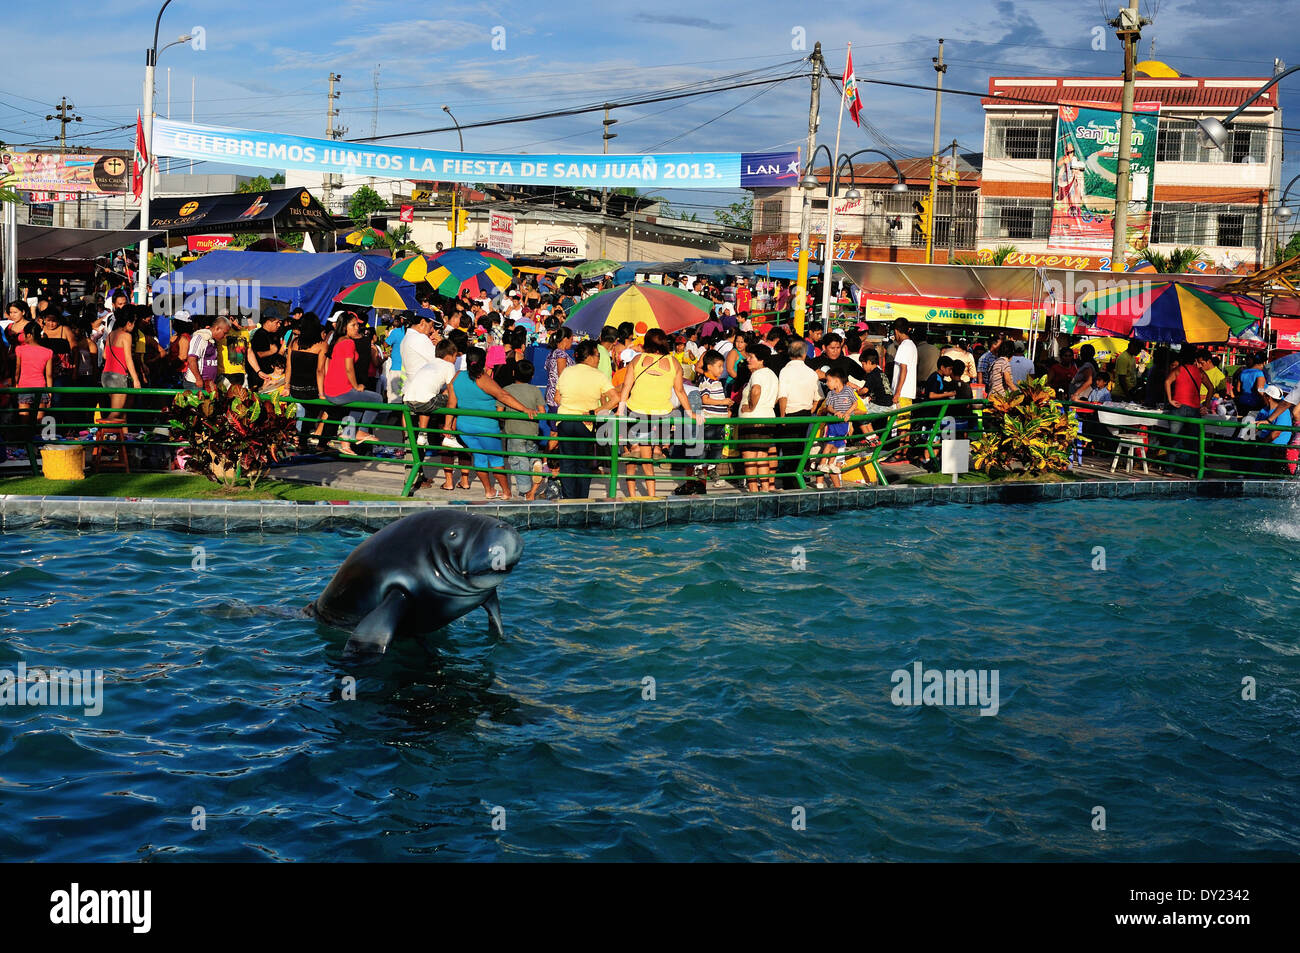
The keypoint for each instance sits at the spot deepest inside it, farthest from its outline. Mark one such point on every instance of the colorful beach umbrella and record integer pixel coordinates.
(371, 294)
(1171, 313)
(451, 269)
(412, 269)
(365, 237)
(562, 272)
(646, 306)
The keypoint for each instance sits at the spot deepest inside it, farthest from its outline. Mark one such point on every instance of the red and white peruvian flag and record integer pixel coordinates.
(139, 164)
(851, 96)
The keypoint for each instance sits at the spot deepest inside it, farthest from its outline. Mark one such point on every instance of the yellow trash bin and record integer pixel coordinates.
(63, 463)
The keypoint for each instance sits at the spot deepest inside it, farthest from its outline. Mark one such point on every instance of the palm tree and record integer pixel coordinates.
(1002, 253)
(1177, 262)
(399, 242)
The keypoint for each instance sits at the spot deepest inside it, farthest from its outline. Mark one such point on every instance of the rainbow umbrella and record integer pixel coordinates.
(451, 269)
(561, 272)
(646, 306)
(371, 294)
(1171, 313)
(412, 269)
(365, 237)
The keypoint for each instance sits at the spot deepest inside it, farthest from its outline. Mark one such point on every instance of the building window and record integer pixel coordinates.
(1190, 224)
(1177, 141)
(769, 216)
(1231, 230)
(1021, 138)
(1016, 219)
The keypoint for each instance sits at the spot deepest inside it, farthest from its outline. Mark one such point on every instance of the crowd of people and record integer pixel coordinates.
(458, 362)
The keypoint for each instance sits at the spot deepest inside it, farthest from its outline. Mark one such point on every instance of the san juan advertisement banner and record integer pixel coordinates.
(60, 177)
(680, 170)
(1087, 157)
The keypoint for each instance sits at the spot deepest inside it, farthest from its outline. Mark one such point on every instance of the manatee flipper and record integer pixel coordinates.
(493, 606)
(376, 630)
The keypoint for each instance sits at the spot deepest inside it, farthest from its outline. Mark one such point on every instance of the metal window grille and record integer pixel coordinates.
(1016, 219)
(1021, 138)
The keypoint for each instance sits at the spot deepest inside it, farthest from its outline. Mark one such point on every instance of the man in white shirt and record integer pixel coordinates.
(427, 382)
(904, 381)
(798, 390)
(417, 348)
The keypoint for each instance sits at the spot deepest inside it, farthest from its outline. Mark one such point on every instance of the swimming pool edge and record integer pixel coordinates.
(22, 513)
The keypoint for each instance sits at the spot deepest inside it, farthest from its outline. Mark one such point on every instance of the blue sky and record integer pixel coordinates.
(265, 66)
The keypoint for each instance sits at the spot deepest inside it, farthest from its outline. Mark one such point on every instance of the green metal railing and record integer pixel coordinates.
(791, 450)
(1196, 447)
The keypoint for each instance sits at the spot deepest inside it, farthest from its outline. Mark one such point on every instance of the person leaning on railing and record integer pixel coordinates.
(1183, 386)
(474, 389)
(341, 386)
(119, 365)
(758, 400)
(582, 391)
(1276, 451)
(202, 361)
(305, 369)
(651, 378)
(34, 367)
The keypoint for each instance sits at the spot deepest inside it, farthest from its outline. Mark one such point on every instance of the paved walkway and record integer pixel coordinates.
(389, 478)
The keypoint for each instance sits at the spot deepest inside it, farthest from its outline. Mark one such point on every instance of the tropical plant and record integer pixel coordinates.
(160, 264)
(260, 183)
(1289, 251)
(1002, 253)
(233, 436)
(1026, 429)
(365, 202)
(737, 214)
(398, 240)
(1177, 262)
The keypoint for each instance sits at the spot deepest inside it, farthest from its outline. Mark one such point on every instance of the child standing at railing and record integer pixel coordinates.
(840, 400)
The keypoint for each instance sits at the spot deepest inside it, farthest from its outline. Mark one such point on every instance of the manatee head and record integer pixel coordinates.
(477, 551)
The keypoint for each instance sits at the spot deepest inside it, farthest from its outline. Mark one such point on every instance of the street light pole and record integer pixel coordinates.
(455, 187)
(1128, 26)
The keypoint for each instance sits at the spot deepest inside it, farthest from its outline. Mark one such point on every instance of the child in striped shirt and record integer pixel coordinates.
(841, 400)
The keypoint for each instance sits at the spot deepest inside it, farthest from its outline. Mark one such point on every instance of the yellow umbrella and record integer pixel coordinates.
(1104, 348)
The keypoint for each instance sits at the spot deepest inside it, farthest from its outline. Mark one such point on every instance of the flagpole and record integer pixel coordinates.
(828, 256)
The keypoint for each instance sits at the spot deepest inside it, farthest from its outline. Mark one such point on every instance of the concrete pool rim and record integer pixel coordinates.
(98, 514)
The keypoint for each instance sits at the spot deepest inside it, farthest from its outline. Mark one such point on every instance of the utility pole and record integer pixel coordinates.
(805, 214)
(64, 113)
(939, 69)
(952, 207)
(605, 136)
(1128, 27)
(330, 133)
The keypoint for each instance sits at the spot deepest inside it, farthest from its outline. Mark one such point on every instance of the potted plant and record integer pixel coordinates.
(1026, 430)
(233, 436)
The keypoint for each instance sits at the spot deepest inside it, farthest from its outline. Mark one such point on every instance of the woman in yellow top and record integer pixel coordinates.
(652, 378)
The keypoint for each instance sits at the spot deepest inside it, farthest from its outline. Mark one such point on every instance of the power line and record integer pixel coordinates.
(555, 114)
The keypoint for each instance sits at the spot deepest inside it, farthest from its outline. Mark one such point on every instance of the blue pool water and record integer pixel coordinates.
(1119, 689)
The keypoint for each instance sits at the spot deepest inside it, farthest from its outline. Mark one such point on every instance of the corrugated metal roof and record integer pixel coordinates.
(1084, 89)
(914, 170)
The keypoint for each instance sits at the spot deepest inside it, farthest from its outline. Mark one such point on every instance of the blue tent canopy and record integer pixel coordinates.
(308, 281)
